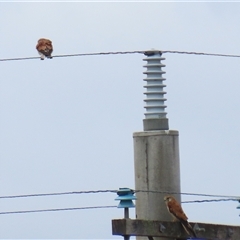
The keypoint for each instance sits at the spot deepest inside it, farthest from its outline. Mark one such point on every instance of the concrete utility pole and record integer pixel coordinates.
(156, 149)
(156, 160)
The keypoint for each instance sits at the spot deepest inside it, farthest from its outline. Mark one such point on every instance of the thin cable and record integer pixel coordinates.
(188, 194)
(15, 59)
(101, 207)
(98, 53)
(73, 55)
(212, 200)
(57, 194)
(114, 191)
(124, 52)
(56, 210)
(201, 53)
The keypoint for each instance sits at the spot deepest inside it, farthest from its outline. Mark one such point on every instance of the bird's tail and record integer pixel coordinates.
(188, 228)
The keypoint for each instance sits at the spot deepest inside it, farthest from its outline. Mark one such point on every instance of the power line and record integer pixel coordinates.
(202, 53)
(73, 55)
(98, 53)
(101, 207)
(124, 52)
(212, 200)
(115, 191)
(56, 210)
(57, 194)
(16, 59)
(188, 194)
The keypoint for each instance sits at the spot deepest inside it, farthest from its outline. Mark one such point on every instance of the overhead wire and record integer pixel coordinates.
(73, 55)
(188, 194)
(226, 198)
(203, 53)
(101, 207)
(125, 52)
(56, 194)
(56, 210)
(212, 200)
(115, 191)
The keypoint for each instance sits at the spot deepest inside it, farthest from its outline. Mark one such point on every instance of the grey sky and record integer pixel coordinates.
(66, 124)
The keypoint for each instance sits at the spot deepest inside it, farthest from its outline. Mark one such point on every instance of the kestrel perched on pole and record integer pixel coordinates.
(177, 212)
(45, 48)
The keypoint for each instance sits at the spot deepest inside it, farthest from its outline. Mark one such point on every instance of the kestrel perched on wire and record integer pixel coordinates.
(45, 48)
(177, 212)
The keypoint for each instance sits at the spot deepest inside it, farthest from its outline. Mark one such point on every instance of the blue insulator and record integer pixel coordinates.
(125, 195)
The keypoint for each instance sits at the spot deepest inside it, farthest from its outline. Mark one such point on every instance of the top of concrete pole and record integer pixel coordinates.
(156, 133)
